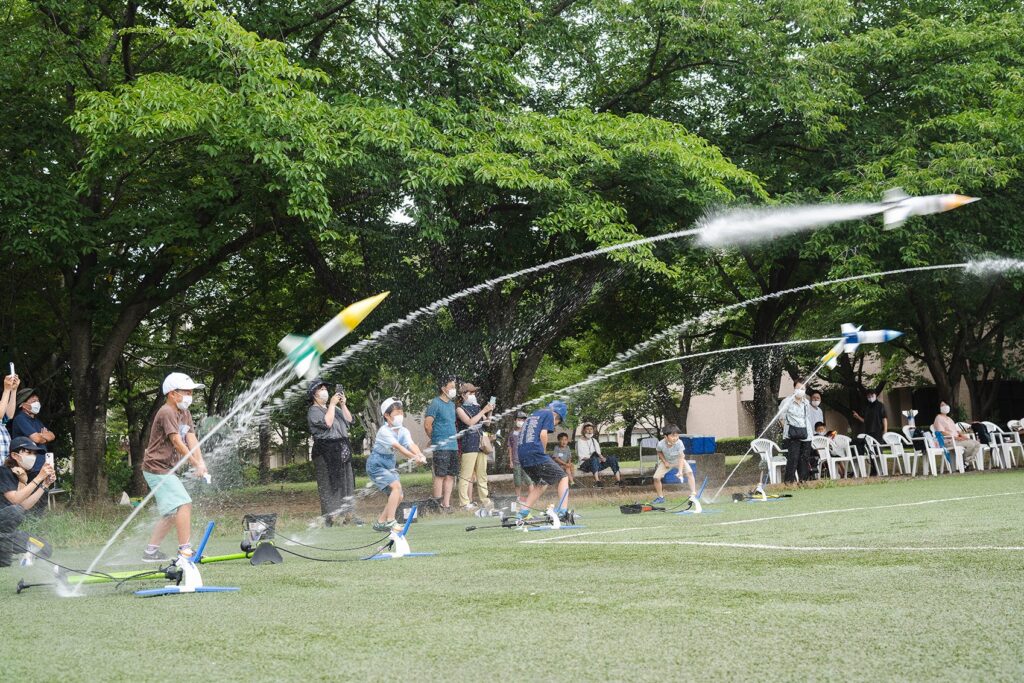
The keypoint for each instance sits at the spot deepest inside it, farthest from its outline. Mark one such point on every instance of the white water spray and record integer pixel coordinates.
(748, 226)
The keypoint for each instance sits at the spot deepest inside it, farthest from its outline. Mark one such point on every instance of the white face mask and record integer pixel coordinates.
(944, 410)
(35, 407)
(185, 402)
(799, 391)
(470, 400)
(397, 420)
(520, 423)
(322, 395)
(27, 461)
(588, 434)
(450, 393)
(815, 403)
(872, 399)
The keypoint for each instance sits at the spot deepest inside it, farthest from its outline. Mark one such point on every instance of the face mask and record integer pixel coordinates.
(450, 393)
(588, 434)
(519, 424)
(27, 461)
(799, 391)
(944, 410)
(321, 395)
(872, 399)
(35, 407)
(470, 400)
(815, 403)
(185, 402)
(397, 420)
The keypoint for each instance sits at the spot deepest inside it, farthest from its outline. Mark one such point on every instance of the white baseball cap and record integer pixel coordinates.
(388, 404)
(179, 380)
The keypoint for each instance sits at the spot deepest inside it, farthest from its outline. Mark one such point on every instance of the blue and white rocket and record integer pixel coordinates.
(853, 337)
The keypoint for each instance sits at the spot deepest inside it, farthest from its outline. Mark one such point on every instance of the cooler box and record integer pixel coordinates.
(672, 476)
(687, 442)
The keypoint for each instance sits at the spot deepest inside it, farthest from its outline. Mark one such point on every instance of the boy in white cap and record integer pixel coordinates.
(391, 438)
(172, 438)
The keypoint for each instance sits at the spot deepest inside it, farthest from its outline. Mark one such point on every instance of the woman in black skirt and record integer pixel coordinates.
(329, 421)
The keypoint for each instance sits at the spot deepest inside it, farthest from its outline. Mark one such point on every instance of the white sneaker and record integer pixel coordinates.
(469, 507)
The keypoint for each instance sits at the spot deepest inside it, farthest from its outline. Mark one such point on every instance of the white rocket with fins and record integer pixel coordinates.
(854, 337)
(899, 206)
(305, 352)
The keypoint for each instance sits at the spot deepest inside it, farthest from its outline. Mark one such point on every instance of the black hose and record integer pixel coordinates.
(330, 550)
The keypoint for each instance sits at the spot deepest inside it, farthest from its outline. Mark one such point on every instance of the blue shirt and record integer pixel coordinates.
(387, 437)
(531, 450)
(24, 424)
(443, 431)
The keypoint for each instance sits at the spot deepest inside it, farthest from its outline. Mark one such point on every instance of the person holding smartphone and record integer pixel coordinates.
(329, 420)
(7, 404)
(20, 493)
(472, 460)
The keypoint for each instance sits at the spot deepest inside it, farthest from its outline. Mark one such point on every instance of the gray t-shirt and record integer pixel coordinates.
(672, 452)
(563, 453)
(316, 417)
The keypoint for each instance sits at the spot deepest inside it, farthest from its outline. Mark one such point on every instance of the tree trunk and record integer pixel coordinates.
(767, 376)
(264, 467)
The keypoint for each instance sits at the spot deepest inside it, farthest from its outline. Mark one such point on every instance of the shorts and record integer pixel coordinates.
(661, 470)
(168, 490)
(520, 477)
(382, 472)
(446, 463)
(546, 472)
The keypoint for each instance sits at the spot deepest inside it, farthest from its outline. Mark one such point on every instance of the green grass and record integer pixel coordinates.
(490, 606)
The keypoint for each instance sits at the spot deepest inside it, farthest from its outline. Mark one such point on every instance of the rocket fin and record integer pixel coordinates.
(895, 217)
(894, 195)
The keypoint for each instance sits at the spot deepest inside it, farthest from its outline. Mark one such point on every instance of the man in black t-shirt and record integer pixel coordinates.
(876, 422)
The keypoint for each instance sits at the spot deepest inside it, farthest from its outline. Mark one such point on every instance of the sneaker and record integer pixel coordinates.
(381, 526)
(598, 484)
(658, 500)
(621, 484)
(469, 507)
(523, 514)
(155, 556)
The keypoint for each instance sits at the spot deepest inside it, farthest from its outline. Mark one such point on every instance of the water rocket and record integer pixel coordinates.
(853, 337)
(304, 353)
(898, 206)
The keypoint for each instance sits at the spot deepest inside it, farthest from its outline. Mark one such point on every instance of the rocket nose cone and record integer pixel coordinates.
(955, 201)
(892, 334)
(357, 312)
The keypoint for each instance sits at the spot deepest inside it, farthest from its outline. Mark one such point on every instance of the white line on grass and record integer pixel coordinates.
(552, 539)
(871, 507)
(815, 548)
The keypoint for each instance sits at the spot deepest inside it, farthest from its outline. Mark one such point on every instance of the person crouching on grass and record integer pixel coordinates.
(172, 438)
(533, 444)
(671, 449)
(381, 467)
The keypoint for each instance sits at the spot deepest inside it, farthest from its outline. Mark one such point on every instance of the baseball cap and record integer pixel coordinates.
(389, 404)
(179, 380)
(560, 409)
(23, 443)
(468, 386)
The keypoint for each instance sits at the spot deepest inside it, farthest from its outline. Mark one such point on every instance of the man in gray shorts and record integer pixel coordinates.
(439, 423)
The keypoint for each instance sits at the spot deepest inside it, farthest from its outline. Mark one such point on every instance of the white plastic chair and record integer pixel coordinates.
(954, 451)
(823, 447)
(843, 445)
(1004, 442)
(879, 455)
(898, 446)
(776, 464)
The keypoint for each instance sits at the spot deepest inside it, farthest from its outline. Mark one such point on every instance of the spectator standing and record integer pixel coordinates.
(796, 432)
(7, 406)
(815, 413)
(519, 476)
(875, 419)
(472, 460)
(329, 420)
(439, 424)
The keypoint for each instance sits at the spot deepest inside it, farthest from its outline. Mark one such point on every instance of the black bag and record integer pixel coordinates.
(798, 433)
(981, 431)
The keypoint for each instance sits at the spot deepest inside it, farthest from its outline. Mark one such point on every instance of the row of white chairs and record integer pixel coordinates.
(840, 456)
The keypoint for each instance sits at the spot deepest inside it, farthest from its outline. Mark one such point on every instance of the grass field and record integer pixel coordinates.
(915, 579)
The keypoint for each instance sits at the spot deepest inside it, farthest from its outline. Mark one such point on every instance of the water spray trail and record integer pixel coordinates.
(748, 226)
(256, 393)
(434, 307)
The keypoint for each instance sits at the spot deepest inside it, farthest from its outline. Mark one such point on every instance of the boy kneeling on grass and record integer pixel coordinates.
(536, 462)
(671, 448)
(381, 467)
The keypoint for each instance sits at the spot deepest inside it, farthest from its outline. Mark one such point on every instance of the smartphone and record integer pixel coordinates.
(339, 388)
(49, 459)
(12, 368)
(494, 399)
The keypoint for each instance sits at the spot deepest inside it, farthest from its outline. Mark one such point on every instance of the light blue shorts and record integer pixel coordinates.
(382, 471)
(170, 493)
